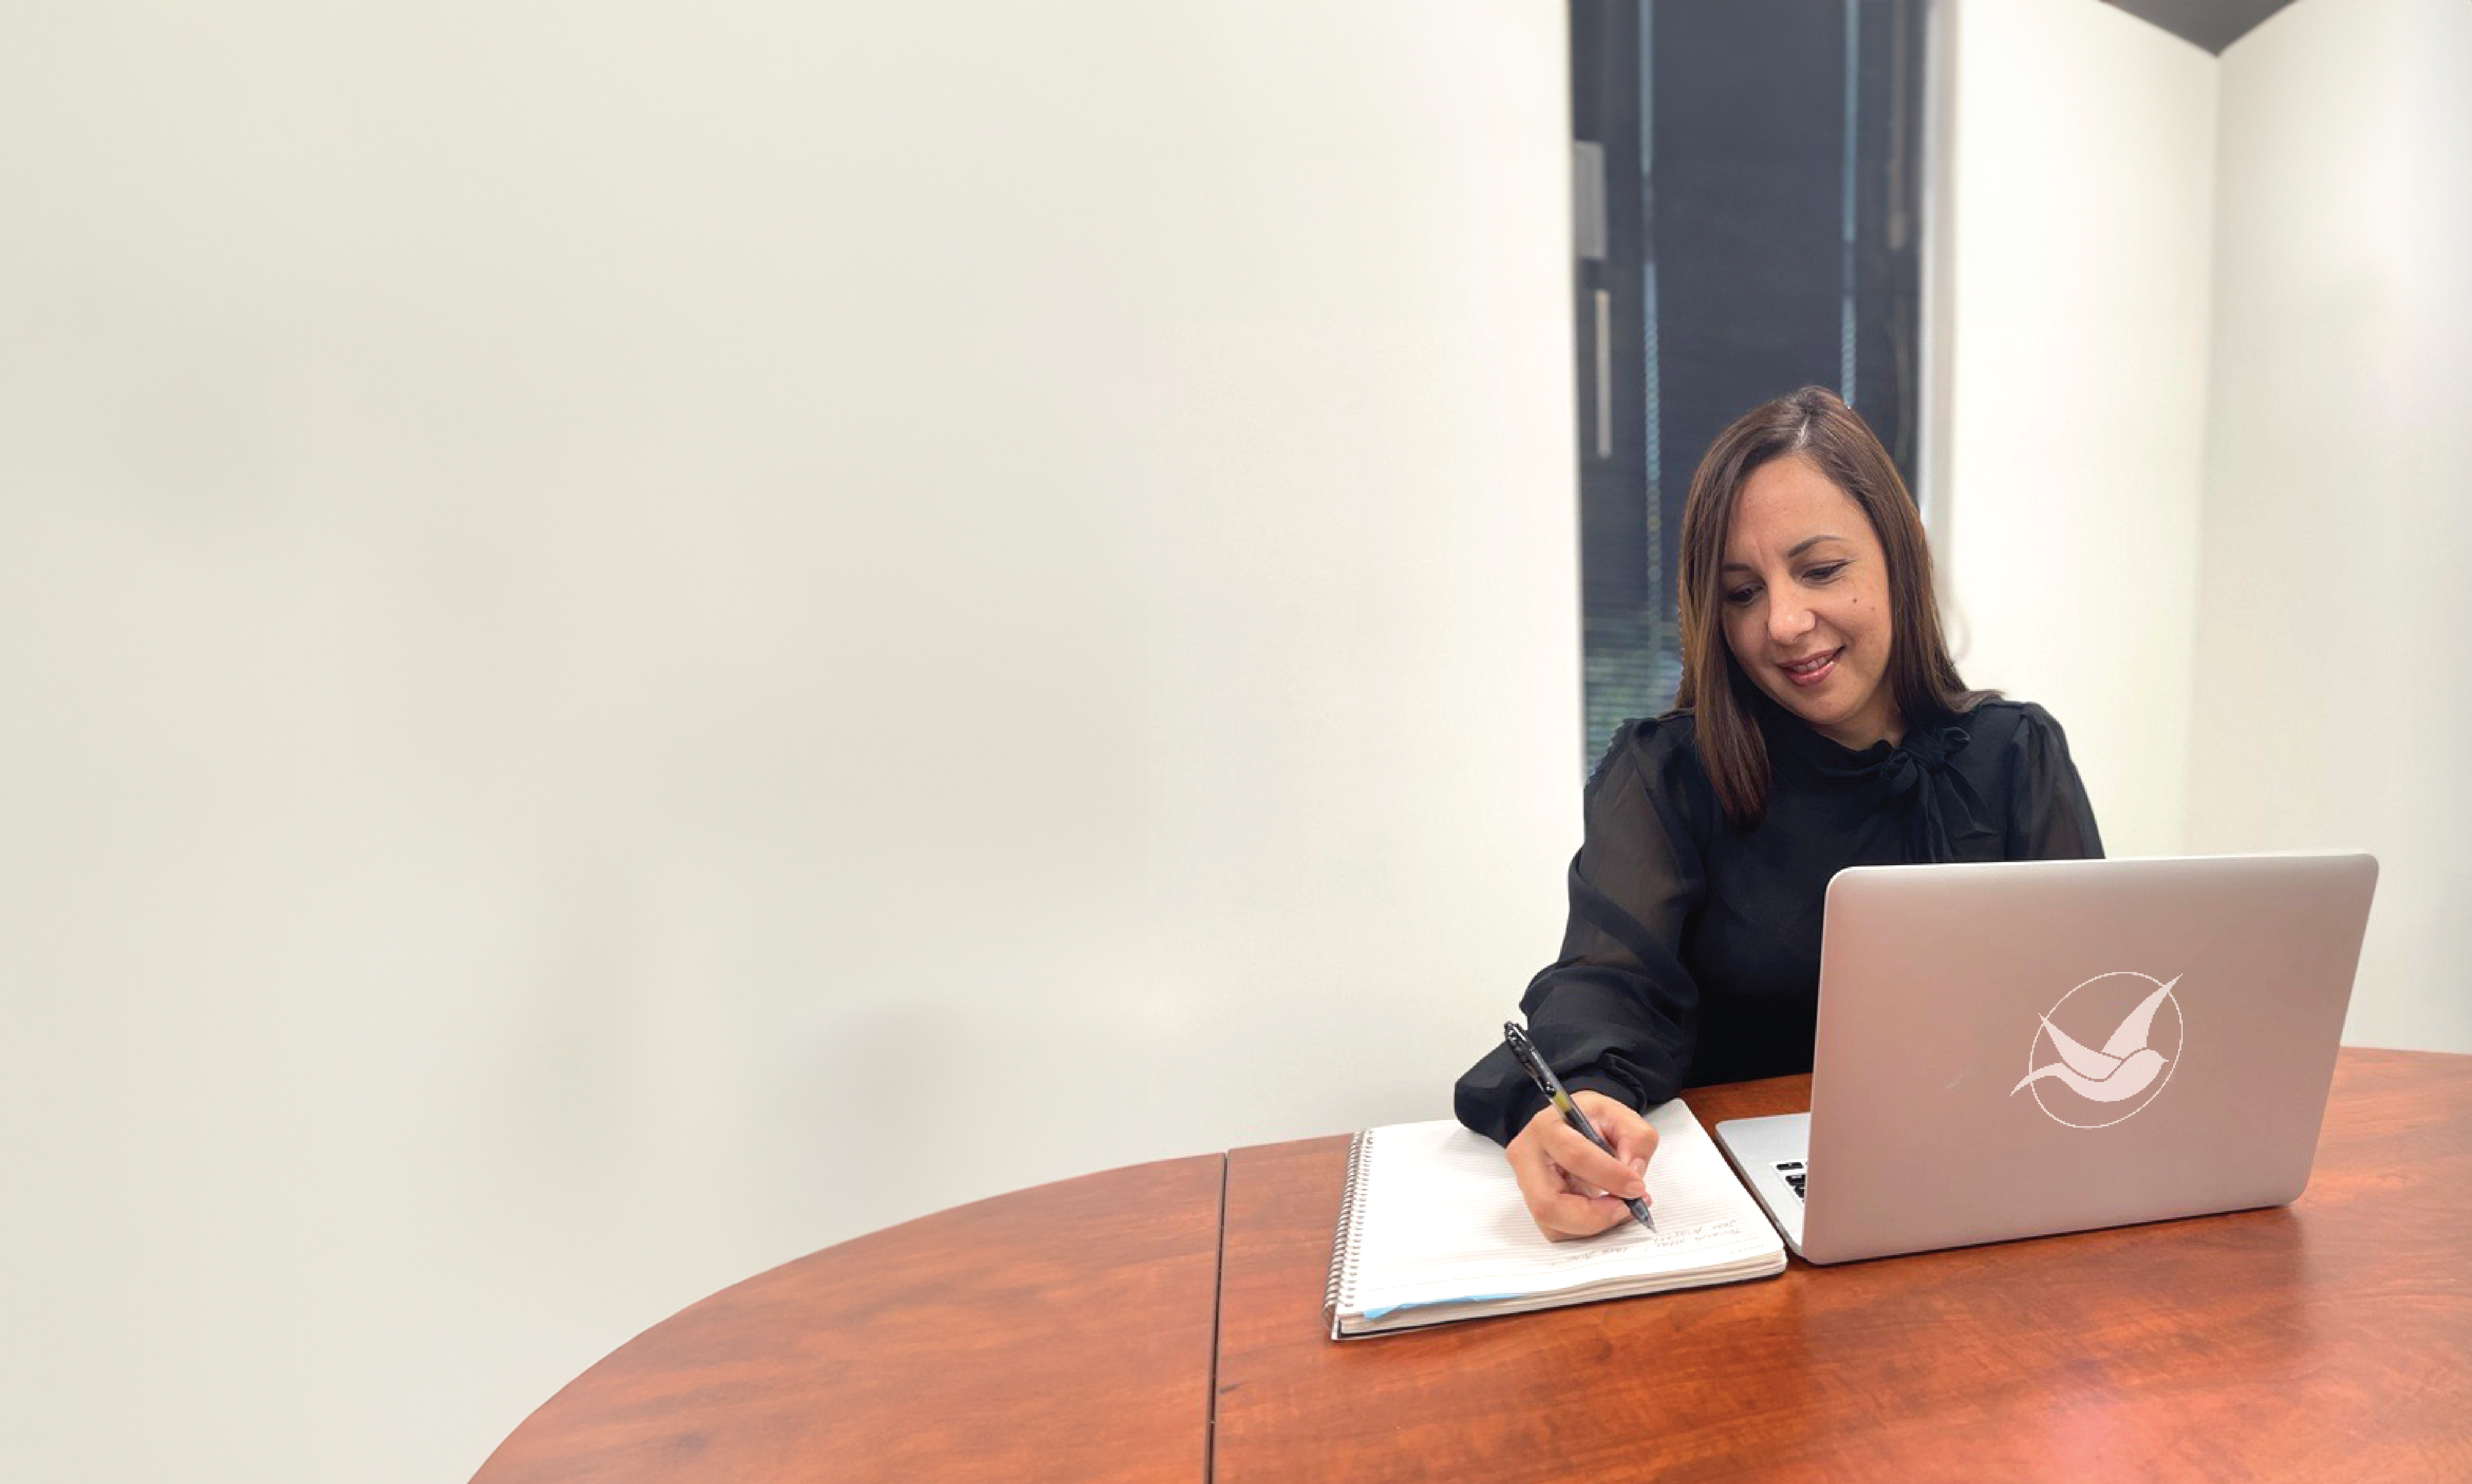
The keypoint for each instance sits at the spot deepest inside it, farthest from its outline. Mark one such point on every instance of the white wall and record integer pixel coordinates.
(648, 637)
(2339, 494)
(2206, 475)
(2078, 225)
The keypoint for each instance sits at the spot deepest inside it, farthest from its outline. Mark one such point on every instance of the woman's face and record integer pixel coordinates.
(1804, 593)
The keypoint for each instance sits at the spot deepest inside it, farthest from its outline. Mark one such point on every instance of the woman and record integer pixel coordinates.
(1820, 724)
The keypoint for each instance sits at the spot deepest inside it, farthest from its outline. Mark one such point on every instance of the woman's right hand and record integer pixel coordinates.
(1574, 1188)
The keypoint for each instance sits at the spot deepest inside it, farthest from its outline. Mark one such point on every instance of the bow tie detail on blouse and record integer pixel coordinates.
(1914, 780)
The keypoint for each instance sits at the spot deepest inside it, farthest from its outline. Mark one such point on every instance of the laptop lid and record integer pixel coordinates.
(2017, 1048)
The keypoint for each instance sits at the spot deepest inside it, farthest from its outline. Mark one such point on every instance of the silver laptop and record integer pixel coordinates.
(2015, 1049)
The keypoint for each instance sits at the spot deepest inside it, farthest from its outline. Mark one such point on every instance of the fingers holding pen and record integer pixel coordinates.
(1581, 1161)
(1622, 1171)
(1572, 1188)
(1561, 1207)
(1633, 1139)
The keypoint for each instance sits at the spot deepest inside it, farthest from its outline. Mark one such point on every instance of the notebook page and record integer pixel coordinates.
(1443, 1220)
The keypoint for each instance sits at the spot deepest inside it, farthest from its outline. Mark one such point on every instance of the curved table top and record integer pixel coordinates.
(1136, 1325)
(1061, 1332)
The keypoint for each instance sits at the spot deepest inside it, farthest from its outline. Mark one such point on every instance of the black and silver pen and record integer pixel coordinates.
(1552, 1087)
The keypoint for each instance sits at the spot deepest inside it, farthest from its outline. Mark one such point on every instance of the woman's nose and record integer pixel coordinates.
(1789, 621)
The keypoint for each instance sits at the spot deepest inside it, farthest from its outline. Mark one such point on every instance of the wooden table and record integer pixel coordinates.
(1056, 1334)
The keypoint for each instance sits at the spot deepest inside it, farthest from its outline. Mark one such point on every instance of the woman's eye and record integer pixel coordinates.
(1742, 594)
(1824, 572)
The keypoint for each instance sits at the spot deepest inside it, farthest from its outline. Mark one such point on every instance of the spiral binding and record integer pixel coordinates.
(1343, 1246)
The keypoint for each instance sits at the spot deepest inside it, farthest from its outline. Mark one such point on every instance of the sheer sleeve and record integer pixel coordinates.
(1617, 1011)
(2048, 815)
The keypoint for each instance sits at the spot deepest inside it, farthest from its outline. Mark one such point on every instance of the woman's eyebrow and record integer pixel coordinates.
(1793, 552)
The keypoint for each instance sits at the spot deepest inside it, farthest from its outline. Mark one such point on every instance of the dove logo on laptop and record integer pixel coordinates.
(2124, 1014)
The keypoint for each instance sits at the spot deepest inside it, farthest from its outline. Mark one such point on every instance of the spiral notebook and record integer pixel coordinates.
(1432, 1229)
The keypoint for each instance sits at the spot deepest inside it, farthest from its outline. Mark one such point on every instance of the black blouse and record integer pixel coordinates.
(1693, 950)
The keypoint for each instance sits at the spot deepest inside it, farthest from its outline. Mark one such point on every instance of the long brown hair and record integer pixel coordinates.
(1810, 424)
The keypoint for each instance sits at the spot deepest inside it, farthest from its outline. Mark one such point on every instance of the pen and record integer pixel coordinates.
(1552, 1087)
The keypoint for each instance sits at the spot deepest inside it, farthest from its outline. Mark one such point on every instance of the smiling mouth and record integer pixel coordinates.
(1812, 670)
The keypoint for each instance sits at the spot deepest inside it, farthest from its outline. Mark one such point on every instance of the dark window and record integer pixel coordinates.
(1748, 222)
